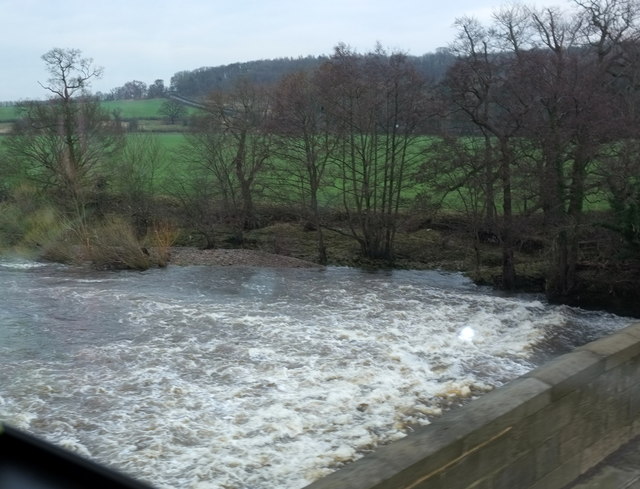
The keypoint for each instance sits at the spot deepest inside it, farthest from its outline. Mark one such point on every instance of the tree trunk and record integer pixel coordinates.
(489, 193)
(508, 267)
(322, 250)
(248, 218)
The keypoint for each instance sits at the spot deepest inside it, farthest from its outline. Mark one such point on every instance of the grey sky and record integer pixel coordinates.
(145, 40)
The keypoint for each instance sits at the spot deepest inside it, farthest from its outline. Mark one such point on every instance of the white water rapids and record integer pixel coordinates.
(207, 377)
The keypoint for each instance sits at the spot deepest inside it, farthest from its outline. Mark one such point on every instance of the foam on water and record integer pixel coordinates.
(203, 378)
(19, 264)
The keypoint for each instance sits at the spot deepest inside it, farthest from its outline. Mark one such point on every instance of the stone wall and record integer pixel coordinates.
(540, 431)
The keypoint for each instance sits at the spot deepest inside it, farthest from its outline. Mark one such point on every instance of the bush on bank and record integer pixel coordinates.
(109, 242)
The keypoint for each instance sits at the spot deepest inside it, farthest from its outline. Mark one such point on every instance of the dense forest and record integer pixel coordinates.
(198, 83)
(523, 136)
(201, 82)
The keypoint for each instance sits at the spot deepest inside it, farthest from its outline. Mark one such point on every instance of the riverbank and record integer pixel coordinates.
(183, 256)
(606, 282)
(607, 275)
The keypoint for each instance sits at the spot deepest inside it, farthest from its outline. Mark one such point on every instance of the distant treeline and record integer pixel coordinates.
(203, 81)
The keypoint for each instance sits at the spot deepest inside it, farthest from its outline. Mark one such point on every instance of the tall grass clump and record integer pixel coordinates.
(112, 244)
(32, 227)
(11, 225)
(49, 236)
(159, 241)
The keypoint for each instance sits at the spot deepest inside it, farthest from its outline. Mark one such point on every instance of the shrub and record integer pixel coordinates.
(24, 215)
(159, 241)
(11, 225)
(112, 244)
(41, 233)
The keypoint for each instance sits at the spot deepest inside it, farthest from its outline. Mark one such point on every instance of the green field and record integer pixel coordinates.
(8, 113)
(145, 112)
(168, 141)
(170, 138)
(127, 109)
(135, 109)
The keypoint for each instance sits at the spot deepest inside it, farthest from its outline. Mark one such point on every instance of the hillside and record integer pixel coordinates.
(199, 82)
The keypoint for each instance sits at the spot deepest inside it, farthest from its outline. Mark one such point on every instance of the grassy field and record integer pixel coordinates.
(168, 141)
(147, 109)
(8, 113)
(145, 112)
(170, 137)
(127, 109)
(136, 109)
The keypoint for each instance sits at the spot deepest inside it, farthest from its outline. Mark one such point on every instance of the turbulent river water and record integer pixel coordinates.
(210, 377)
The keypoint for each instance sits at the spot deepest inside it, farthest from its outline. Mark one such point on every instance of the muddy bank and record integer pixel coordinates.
(235, 257)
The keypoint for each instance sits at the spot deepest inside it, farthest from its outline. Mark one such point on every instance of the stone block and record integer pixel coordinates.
(569, 448)
(472, 466)
(551, 420)
(547, 457)
(633, 330)
(593, 454)
(520, 440)
(634, 401)
(561, 476)
(629, 375)
(609, 383)
(520, 473)
(616, 348)
(569, 372)
(502, 409)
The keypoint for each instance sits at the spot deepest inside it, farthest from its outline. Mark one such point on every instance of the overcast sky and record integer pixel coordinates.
(150, 39)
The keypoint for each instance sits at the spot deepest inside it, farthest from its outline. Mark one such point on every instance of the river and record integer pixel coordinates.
(212, 377)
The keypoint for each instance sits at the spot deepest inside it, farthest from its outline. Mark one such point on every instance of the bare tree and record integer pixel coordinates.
(305, 143)
(376, 104)
(63, 143)
(70, 72)
(459, 167)
(208, 191)
(553, 85)
(135, 179)
(576, 73)
(242, 117)
(229, 148)
(614, 34)
(484, 86)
